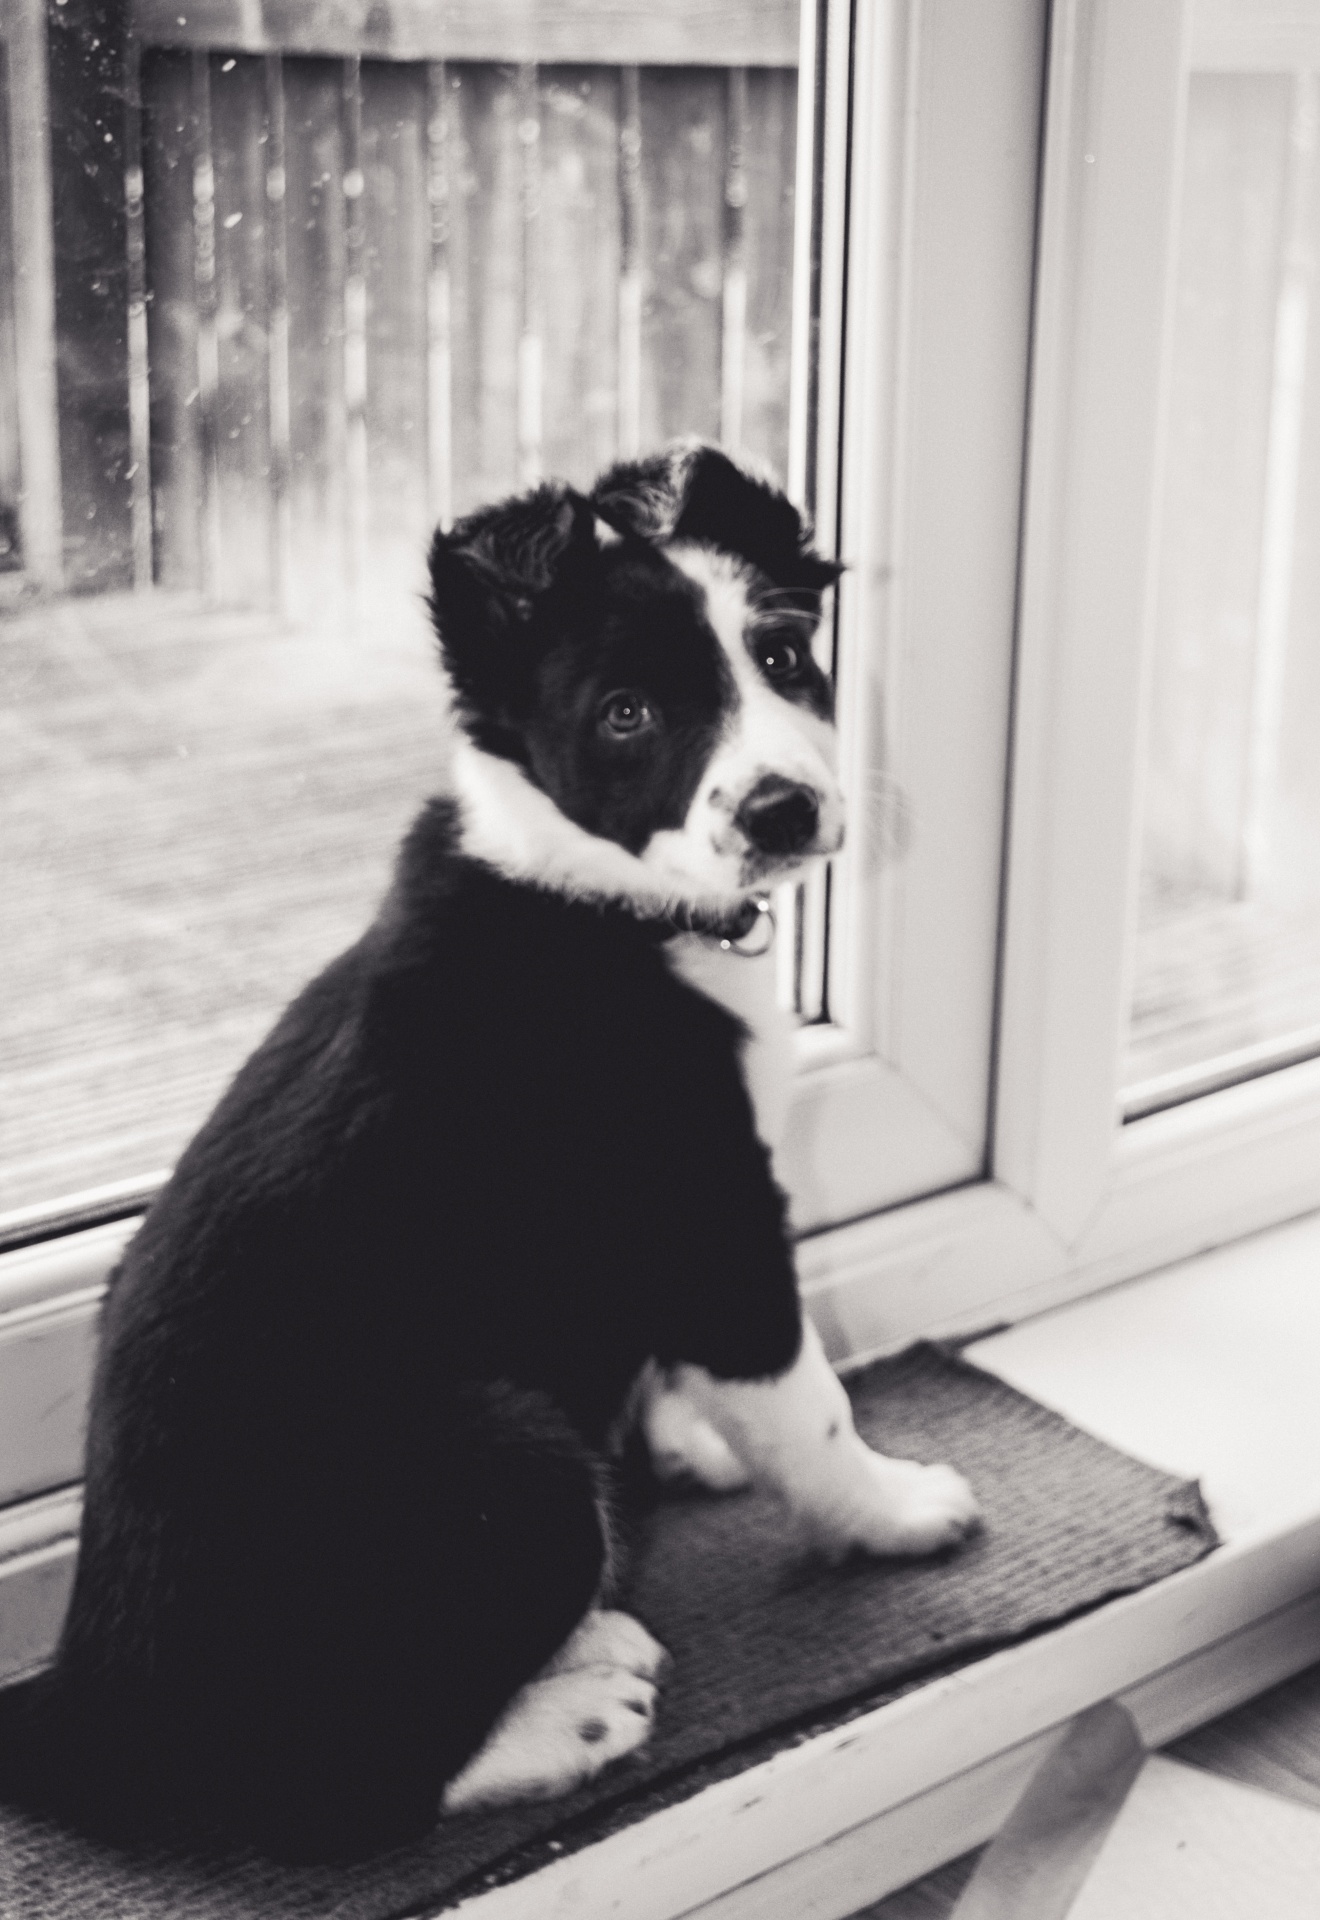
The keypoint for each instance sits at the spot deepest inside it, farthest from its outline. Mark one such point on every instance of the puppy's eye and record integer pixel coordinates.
(625, 714)
(779, 659)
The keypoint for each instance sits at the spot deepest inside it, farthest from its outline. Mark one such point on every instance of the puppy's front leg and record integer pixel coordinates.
(795, 1433)
(682, 1444)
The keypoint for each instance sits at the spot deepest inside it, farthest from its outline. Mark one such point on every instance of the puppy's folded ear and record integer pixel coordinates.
(696, 492)
(502, 581)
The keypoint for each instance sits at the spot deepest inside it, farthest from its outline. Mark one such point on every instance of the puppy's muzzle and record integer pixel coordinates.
(779, 817)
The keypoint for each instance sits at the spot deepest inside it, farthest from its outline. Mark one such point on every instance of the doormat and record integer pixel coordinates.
(765, 1652)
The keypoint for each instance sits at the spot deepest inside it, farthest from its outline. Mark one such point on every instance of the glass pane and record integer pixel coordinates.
(1228, 946)
(306, 307)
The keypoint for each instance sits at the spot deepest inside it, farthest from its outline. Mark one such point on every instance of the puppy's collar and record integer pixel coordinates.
(749, 932)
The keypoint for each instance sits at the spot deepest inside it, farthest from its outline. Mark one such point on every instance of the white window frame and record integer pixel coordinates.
(929, 224)
(1073, 1199)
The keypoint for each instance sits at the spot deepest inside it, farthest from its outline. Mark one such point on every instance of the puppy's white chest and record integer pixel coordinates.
(746, 987)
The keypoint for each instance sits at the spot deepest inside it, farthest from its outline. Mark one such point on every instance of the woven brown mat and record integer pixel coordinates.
(765, 1652)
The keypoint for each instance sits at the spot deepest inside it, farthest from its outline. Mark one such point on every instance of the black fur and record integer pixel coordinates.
(345, 1490)
(696, 493)
(536, 640)
(699, 493)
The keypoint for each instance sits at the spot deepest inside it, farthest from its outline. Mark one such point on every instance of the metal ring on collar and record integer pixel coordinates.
(761, 933)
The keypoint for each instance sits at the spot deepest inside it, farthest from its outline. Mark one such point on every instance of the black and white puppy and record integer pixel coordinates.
(346, 1530)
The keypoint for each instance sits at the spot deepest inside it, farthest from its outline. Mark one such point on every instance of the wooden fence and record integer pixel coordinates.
(10, 464)
(368, 293)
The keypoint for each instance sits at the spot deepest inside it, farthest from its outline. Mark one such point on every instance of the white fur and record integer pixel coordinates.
(511, 824)
(592, 1704)
(681, 1443)
(795, 1434)
(767, 734)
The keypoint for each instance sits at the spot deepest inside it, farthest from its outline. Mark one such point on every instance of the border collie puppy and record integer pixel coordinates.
(346, 1533)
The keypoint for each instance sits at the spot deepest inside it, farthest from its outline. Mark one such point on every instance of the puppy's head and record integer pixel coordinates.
(641, 658)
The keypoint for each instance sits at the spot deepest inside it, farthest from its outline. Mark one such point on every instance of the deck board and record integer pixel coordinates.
(199, 810)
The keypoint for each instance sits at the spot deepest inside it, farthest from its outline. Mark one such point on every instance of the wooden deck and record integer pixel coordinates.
(1216, 980)
(198, 811)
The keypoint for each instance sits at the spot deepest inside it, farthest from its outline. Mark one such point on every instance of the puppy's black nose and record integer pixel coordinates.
(779, 816)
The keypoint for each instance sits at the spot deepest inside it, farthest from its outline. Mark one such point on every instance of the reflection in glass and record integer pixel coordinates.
(307, 302)
(1227, 976)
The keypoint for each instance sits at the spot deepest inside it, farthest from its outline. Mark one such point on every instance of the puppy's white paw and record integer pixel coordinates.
(557, 1734)
(900, 1508)
(606, 1638)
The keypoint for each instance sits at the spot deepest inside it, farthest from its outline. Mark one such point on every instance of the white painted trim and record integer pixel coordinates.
(862, 1135)
(1194, 1178)
(1111, 186)
(1266, 36)
(38, 1547)
(51, 1270)
(37, 1526)
(897, 1846)
(943, 186)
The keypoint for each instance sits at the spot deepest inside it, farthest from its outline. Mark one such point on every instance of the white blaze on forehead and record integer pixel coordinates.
(515, 827)
(788, 738)
(765, 734)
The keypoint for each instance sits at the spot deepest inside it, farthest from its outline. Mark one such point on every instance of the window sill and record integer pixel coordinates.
(1204, 1368)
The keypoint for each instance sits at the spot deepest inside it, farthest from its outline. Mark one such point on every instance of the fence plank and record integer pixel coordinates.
(489, 271)
(204, 293)
(712, 33)
(439, 296)
(682, 165)
(33, 285)
(771, 149)
(314, 161)
(83, 134)
(355, 334)
(242, 411)
(277, 327)
(630, 263)
(10, 469)
(733, 302)
(530, 345)
(581, 257)
(396, 266)
(176, 470)
(139, 380)
(485, 258)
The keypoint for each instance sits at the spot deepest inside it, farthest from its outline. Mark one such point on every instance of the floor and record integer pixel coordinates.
(1272, 1742)
(1170, 1367)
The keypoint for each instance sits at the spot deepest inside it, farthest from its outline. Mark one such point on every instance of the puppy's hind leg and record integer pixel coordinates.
(591, 1703)
(395, 1667)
